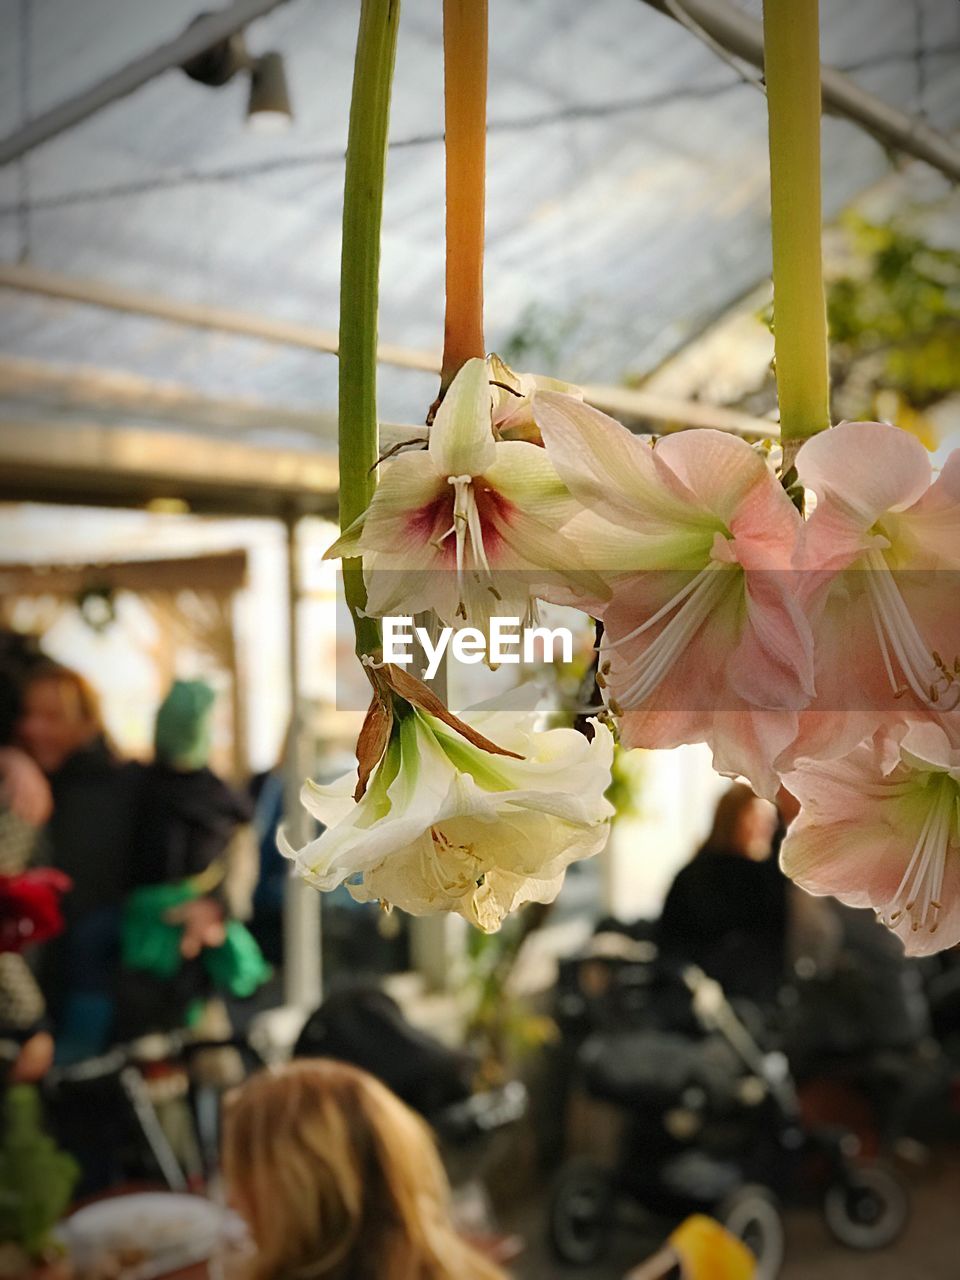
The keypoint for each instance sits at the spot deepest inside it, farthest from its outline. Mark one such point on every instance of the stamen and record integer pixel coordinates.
(667, 608)
(924, 671)
(461, 497)
(464, 871)
(468, 527)
(476, 531)
(650, 667)
(438, 542)
(918, 896)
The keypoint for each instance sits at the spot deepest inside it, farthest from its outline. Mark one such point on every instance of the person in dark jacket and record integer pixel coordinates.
(189, 814)
(726, 910)
(96, 798)
(192, 831)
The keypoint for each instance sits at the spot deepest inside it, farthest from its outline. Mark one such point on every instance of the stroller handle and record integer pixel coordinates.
(714, 1012)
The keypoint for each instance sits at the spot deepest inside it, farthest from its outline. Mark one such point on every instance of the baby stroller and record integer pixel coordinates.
(365, 1026)
(712, 1126)
(864, 1037)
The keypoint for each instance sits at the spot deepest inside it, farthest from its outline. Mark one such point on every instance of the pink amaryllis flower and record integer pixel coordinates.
(469, 525)
(881, 829)
(704, 639)
(879, 568)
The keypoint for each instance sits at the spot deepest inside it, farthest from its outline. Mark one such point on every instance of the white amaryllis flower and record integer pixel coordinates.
(470, 525)
(445, 826)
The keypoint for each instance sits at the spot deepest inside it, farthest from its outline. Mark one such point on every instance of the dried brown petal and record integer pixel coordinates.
(373, 739)
(417, 693)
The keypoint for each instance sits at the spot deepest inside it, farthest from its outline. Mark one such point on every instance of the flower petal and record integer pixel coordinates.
(867, 467)
(927, 535)
(721, 470)
(446, 826)
(411, 508)
(525, 476)
(772, 665)
(930, 743)
(609, 469)
(461, 436)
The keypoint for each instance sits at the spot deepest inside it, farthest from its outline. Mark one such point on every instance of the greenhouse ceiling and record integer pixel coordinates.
(627, 200)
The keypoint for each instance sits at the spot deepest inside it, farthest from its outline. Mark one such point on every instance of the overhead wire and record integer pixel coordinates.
(334, 155)
(521, 124)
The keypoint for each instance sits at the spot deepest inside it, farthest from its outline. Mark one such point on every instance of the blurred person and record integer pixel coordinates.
(339, 1180)
(25, 805)
(727, 909)
(195, 864)
(89, 837)
(267, 791)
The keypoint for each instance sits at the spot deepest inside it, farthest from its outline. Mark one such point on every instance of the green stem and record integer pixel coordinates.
(791, 43)
(359, 285)
(465, 142)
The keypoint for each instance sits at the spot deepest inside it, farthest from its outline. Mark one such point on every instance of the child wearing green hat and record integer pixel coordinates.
(178, 935)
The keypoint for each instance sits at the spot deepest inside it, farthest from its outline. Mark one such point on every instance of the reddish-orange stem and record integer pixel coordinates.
(465, 89)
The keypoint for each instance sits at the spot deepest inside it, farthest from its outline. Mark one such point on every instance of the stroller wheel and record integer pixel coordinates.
(752, 1214)
(867, 1210)
(581, 1212)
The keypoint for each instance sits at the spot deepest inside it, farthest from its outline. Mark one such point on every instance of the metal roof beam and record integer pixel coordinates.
(742, 36)
(94, 391)
(88, 463)
(634, 404)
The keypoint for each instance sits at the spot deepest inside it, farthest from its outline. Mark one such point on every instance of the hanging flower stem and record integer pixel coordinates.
(465, 96)
(791, 41)
(359, 285)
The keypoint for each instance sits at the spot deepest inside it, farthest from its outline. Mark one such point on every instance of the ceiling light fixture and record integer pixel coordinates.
(268, 107)
(269, 110)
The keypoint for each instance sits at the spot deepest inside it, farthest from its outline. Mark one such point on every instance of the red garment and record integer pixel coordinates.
(30, 907)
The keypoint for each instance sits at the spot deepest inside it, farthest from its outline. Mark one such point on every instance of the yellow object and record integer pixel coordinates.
(708, 1251)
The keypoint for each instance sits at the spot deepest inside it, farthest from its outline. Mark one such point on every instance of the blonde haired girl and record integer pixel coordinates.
(340, 1180)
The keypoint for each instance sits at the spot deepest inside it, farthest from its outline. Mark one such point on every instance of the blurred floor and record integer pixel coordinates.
(929, 1249)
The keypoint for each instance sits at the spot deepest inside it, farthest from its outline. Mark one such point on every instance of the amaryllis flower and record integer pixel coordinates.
(30, 907)
(469, 525)
(513, 417)
(704, 639)
(881, 829)
(880, 580)
(447, 826)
